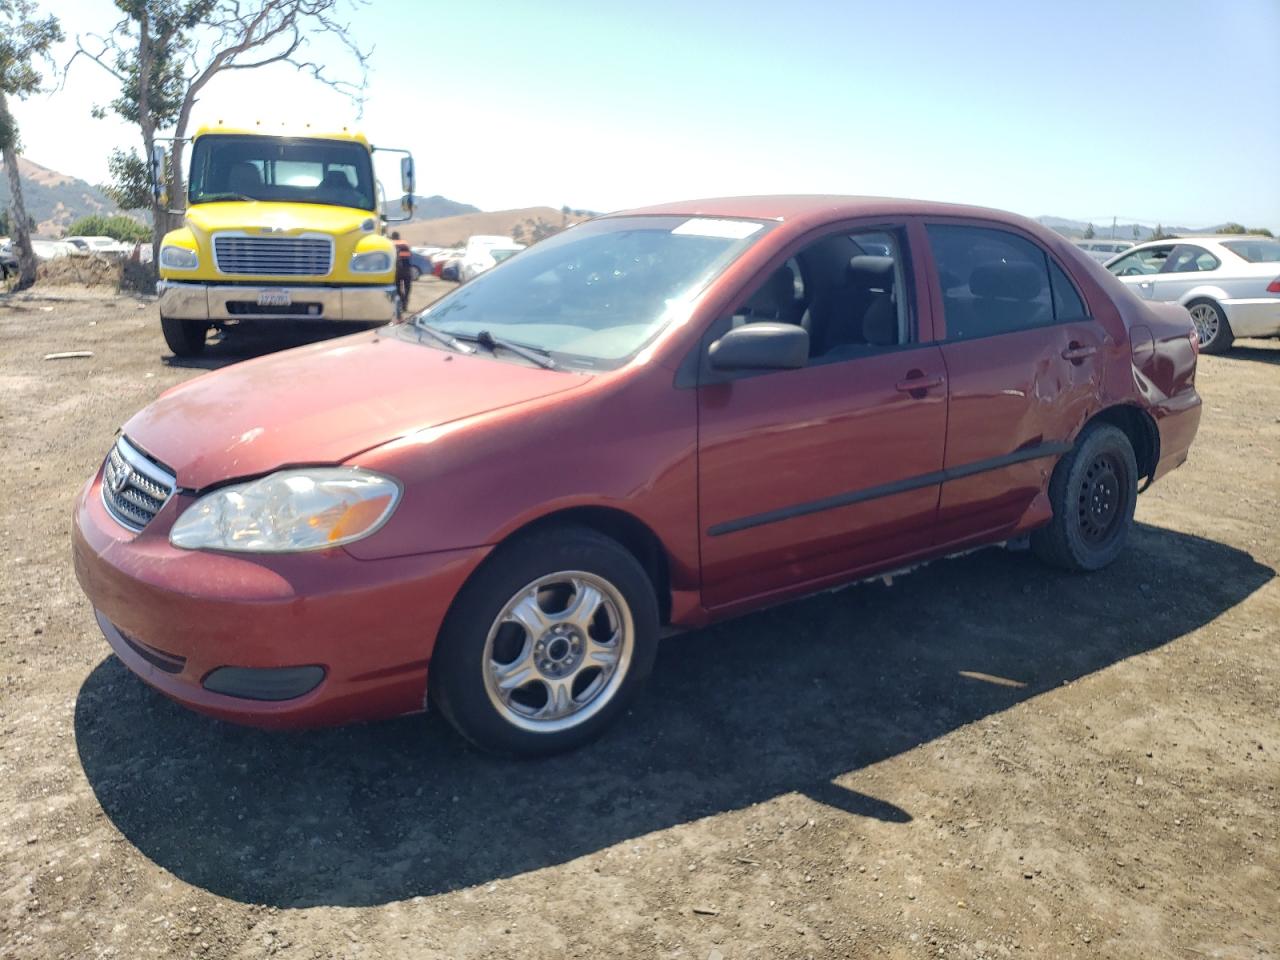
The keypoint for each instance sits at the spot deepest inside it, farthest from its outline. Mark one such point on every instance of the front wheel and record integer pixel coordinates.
(1093, 491)
(184, 337)
(1211, 326)
(546, 644)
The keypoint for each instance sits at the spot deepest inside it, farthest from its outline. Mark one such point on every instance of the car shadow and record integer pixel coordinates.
(1258, 353)
(246, 342)
(789, 700)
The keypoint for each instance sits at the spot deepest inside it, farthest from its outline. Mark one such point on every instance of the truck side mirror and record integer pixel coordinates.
(407, 183)
(155, 170)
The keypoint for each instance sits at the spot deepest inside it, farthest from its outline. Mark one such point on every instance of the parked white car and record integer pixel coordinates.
(1230, 283)
(49, 249)
(1103, 250)
(483, 253)
(108, 246)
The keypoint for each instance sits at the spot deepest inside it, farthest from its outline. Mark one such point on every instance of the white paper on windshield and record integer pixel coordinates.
(724, 229)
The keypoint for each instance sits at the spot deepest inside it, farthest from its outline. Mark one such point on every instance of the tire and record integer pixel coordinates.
(184, 337)
(1211, 324)
(483, 644)
(1093, 491)
(415, 273)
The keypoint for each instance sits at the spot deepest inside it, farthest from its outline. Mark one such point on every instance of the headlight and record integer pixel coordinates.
(376, 261)
(289, 511)
(179, 258)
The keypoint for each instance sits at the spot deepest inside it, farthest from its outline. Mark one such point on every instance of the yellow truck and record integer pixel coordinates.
(278, 227)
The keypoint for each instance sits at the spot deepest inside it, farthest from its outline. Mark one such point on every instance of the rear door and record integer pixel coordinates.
(1024, 362)
(808, 474)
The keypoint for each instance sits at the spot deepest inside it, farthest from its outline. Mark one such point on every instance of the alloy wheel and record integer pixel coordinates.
(558, 651)
(1205, 318)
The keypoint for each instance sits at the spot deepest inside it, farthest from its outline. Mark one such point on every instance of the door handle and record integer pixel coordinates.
(917, 384)
(1077, 353)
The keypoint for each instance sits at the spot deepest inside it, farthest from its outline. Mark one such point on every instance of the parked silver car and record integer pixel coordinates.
(1230, 284)
(1103, 250)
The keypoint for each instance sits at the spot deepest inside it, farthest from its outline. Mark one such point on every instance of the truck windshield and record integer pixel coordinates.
(598, 292)
(230, 167)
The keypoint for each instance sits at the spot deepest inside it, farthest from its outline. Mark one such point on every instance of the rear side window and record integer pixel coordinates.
(1255, 251)
(992, 281)
(1067, 304)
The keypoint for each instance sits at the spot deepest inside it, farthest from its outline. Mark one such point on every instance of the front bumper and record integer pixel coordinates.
(178, 618)
(374, 303)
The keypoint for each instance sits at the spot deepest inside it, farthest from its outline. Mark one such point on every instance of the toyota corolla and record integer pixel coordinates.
(649, 422)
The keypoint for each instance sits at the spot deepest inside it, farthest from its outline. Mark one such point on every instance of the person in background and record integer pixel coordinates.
(404, 280)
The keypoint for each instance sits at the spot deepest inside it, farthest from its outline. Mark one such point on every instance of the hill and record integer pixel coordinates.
(525, 224)
(54, 200)
(431, 208)
(1123, 231)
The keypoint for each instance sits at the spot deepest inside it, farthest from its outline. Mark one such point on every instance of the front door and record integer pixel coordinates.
(809, 475)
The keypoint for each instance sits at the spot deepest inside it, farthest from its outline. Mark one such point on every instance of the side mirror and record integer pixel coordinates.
(155, 169)
(407, 184)
(761, 346)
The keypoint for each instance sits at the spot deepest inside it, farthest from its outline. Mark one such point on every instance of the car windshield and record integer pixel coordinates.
(229, 167)
(1255, 251)
(600, 291)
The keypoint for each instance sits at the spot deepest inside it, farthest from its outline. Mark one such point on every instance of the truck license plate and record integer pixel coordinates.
(274, 298)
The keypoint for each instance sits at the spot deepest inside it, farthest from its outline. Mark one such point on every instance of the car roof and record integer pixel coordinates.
(788, 207)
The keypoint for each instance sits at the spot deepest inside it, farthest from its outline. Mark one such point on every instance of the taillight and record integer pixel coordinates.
(1195, 340)
(1274, 286)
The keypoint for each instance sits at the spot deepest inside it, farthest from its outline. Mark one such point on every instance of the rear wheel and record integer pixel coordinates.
(546, 644)
(1211, 326)
(184, 337)
(1093, 490)
(415, 273)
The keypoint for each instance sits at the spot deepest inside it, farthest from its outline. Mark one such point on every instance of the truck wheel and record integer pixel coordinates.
(1093, 490)
(184, 337)
(546, 644)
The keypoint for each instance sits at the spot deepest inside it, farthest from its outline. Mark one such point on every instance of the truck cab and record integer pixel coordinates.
(278, 227)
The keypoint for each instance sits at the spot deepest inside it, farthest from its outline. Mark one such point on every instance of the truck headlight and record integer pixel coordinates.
(375, 261)
(289, 511)
(179, 258)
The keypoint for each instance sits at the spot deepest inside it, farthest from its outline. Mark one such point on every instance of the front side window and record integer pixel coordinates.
(1187, 258)
(597, 293)
(849, 290)
(1141, 262)
(992, 281)
(231, 167)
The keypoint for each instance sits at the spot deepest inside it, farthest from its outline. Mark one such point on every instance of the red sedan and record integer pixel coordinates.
(652, 421)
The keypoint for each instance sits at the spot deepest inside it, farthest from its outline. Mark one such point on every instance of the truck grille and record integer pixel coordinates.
(133, 488)
(273, 256)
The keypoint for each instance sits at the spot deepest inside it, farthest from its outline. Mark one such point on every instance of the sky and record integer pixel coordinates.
(1152, 112)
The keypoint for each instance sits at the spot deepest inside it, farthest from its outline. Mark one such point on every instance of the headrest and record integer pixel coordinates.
(242, 175)
(869, 271)
(1013, 281)
(337, 178)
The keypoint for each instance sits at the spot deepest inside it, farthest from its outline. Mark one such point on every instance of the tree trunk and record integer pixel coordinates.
(18, 209)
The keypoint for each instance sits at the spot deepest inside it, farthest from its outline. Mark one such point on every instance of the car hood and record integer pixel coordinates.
(323, 404)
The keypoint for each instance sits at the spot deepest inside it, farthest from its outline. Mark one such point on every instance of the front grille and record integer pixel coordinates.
(273, 256)
(133, 487)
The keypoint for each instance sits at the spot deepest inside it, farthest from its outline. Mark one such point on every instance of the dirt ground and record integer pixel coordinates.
(987, 759)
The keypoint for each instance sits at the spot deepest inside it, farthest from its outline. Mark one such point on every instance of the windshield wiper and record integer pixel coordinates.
(534, 355)
(448, 339)
(214, 197)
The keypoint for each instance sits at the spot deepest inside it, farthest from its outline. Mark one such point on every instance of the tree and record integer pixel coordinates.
(116, 226)
(24, 39)
(1136, 233)
(1261, 231)
(1158, 233)
(1088, 232)
(1232, 228)
(164, 53)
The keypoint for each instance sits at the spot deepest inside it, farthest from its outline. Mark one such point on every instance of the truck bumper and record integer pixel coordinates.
(375, 303)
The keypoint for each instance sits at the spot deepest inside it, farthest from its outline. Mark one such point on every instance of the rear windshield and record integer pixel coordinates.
(1255, 251)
